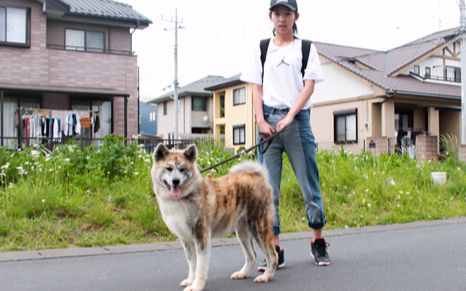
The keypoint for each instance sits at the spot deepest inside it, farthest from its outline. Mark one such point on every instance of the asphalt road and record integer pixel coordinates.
(416, 256)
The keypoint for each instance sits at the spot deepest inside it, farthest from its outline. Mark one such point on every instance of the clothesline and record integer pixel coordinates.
(39, 123)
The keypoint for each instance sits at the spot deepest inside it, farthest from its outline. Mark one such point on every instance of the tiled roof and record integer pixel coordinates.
(195, 88)
(233, 80)
(105, 9)
(379, 67)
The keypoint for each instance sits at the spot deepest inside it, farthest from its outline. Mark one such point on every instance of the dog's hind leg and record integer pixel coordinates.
(264, 239)
(190, 252)
(245, 239)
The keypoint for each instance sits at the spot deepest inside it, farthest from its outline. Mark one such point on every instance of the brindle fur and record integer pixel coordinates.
(206, 208)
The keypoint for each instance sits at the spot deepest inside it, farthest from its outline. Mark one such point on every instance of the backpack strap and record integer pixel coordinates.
(264, 45)
(305, 51)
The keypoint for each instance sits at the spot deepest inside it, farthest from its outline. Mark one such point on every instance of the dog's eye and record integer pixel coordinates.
(182, 170)
(169, 169)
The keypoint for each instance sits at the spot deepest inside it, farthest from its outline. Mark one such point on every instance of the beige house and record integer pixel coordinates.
(370, 99)
(60, 58)
(234, 120)
(195, 109)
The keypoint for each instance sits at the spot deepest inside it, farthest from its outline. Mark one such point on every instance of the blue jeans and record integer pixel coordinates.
(298, 142)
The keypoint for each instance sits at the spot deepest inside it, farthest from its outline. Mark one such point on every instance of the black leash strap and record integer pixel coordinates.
(243, 152)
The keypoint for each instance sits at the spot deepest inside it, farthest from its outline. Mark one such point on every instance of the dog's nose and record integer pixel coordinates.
(176, 181)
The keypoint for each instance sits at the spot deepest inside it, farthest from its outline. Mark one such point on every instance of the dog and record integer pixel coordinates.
(196, 209)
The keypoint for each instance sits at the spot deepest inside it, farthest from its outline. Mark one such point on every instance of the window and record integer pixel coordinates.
(81, 40)
(453, 74)
(239, 134)
(100, 114)
(345, 126)
(416, 70)
(239, 96)
(152, 116)
(427, 73)
(14, 26)
(222, 105)
(198, 103)
(164, 107)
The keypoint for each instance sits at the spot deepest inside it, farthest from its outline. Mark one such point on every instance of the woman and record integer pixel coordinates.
(281, 100)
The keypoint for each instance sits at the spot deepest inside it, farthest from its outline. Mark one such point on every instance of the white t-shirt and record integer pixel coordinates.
(283, 80)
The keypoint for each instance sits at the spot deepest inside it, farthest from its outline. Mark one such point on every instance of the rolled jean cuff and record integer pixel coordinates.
(276, 230)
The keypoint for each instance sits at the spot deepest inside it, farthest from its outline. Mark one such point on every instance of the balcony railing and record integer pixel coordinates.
(89, 50)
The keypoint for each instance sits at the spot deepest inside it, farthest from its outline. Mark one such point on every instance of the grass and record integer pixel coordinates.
(103, 195)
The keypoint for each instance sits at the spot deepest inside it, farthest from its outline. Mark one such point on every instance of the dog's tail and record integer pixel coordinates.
(248, 166)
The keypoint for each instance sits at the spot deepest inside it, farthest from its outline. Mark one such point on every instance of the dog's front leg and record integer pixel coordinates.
(190, 252)
(202, 264)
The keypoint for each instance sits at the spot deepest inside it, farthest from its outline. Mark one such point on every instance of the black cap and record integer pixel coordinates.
(290, 4)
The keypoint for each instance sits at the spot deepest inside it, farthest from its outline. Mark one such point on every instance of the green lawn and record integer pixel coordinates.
(98, 196)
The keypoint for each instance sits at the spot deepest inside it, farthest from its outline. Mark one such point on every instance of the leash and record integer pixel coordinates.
(243, 152)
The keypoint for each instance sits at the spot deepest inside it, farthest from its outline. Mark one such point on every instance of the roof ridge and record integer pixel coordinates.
(426, 38)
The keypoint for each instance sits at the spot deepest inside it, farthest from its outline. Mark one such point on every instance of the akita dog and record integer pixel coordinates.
(196, 209)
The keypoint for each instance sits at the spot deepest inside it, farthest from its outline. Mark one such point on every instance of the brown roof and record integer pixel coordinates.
(380, 67)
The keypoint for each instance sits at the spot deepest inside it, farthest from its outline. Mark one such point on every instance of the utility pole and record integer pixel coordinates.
(175, 80)
(463, 70)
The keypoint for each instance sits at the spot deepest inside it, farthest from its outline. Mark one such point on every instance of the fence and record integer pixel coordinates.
(148, 143)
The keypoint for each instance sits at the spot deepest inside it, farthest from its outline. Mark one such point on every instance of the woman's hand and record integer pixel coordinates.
(265, 129)
(282, 124)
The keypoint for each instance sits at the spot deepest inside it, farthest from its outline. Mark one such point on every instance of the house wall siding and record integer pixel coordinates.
(339, 85)
(39, 66)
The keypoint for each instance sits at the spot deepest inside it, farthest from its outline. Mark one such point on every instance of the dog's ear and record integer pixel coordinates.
(160, 152)
(191, 153)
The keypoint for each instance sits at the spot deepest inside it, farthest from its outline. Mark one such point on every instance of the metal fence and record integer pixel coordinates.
(148, 143)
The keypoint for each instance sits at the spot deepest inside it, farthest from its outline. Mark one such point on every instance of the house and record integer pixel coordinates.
(234, 120)
(67, 69)
(195, 109)
(371, 99)
(147, 119)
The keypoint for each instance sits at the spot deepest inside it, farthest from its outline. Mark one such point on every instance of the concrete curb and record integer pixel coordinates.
(162, 246)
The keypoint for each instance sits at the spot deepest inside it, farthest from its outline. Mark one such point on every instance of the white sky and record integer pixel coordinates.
(218, 33)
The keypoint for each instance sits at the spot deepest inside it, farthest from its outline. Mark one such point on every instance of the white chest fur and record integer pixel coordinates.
(176, 217)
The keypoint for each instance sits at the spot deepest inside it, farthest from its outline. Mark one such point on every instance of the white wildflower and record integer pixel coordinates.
(21, 171)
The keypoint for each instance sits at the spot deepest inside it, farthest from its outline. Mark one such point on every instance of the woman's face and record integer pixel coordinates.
(283, 19)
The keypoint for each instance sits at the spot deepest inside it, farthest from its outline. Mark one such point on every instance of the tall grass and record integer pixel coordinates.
(103, 195)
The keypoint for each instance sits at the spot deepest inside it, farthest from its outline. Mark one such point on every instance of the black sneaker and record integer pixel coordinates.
(281, 260)
(319, 252)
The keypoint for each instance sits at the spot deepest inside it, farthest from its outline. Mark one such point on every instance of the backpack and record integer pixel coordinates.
(305, 49)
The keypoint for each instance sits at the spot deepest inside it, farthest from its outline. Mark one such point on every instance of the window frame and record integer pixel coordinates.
(222, 105)
(345, 114)
(456, 74)
(27, 43)
(85, 48)
(427, 72)
(164, 107)
(240, 102)
(242, 138)
(204, 102)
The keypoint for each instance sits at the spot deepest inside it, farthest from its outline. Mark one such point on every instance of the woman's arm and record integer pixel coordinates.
(264, 127)
(303, 98)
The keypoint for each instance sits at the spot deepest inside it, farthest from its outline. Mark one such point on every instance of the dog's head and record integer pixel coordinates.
(174, 172)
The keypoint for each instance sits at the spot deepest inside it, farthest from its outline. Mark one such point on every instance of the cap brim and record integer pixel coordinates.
(292, 8)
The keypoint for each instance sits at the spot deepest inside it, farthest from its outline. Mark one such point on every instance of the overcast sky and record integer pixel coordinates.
(217, 34)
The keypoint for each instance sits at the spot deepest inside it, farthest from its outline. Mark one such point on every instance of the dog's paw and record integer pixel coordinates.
(238, 275)
(191, 288)
(263, 278)
(186, 282)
